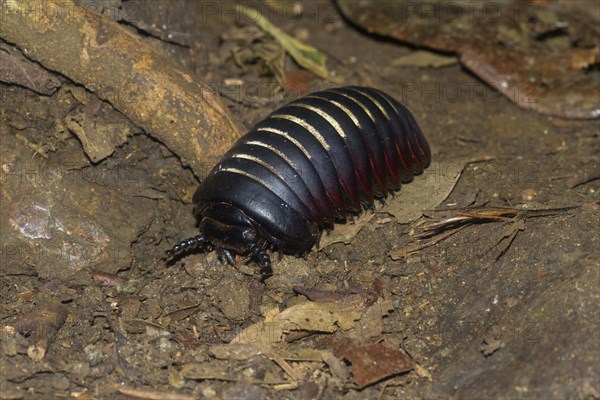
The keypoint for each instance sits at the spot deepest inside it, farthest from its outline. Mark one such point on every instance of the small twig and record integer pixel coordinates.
(282, 363)
(257, 102)
(149, 394)
(516, 227)
(430, 232)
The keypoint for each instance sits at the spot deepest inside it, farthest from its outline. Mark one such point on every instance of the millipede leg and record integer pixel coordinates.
(187, 244)
(261, 256)
(226, 255)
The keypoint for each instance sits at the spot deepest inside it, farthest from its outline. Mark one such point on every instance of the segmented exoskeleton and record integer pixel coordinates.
(312, 162)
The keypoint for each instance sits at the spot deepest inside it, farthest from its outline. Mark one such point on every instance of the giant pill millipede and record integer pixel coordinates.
(310, 163)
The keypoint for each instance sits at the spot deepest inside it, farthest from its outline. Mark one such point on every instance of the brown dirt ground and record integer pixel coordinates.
(537, 300)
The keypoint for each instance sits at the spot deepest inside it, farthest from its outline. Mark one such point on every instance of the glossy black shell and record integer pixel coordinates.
(314, 161)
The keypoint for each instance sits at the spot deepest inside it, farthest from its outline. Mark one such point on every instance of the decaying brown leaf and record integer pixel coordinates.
(350, 324)
(540, 55)
(370, 325)
(306, 56)
(309, 317)
(250, 46)
(426, 192)
(374, 362)
(222, 370)
(234, 351)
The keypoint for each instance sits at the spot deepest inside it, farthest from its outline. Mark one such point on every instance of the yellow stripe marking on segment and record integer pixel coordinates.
(259, 162)
(341, 107)
(288, 137)
(274, 150)
(323, 114)
(305, 125)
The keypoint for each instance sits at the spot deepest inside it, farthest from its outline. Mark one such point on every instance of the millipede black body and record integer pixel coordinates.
(313, 162)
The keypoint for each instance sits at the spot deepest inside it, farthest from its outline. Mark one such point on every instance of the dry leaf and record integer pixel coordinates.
(306, 56)
(222, 370)
(424, 59)
(370, 325)
(372, 363)
(234, 351)
(426, 192)
(308, 317)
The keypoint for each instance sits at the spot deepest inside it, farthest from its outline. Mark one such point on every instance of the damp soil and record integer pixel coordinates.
(507, 308)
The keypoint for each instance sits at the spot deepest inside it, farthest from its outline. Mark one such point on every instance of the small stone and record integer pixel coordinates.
(528, 195)
(302, 34)
(60, 382)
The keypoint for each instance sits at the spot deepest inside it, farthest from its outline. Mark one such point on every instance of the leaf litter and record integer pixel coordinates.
(441, 224)
(543, 56)
(305, 55)
(344, 332)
